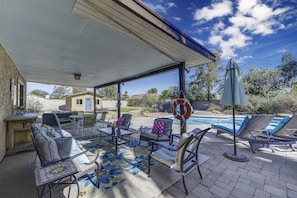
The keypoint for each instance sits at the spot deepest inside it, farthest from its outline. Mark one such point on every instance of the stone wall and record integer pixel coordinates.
(8, 73)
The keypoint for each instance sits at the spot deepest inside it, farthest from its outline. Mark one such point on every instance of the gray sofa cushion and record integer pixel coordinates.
(47, 149)
(67, 147)
(51, 132)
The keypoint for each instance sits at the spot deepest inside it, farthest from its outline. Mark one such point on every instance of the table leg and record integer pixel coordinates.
(116, 145)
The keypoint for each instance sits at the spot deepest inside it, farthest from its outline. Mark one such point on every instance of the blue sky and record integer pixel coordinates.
(253, 32)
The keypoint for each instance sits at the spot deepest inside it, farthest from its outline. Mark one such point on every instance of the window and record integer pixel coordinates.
(97, 101)
(20, 93)
(79, 101)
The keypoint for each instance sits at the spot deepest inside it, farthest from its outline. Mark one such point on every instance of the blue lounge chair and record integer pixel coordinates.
(252, 130)
(287, 128)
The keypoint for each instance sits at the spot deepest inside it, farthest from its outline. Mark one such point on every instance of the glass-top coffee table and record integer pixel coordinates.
(120, 136)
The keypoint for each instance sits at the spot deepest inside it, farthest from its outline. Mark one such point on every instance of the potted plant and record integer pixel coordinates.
(19, 110)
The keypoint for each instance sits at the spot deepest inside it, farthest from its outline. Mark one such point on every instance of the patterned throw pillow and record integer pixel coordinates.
(120, 121)
(158, 128)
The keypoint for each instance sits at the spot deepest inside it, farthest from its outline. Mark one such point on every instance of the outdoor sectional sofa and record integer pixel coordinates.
(59, 157)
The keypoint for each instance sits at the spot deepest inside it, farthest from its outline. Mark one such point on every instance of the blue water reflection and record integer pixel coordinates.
(226, 121)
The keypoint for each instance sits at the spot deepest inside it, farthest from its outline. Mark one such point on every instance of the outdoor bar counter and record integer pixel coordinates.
(18, 132)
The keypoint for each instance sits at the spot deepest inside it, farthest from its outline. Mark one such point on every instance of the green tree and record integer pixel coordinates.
(204, 80)
(39, 92)
(78, 90)
(262, 82)
(164, 95)
(60, 92)
(288, 69)
(150, 100)
(125, 95)
(152, 90)
(173, 92)
(110, 92)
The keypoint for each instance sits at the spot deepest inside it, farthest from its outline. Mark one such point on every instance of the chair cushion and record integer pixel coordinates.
(158, 128)
(47, 149)
(153, 136)
(120, 121)
(67, 147)
(243, 124)
(51, 132)
(184, 137)
(279, 126)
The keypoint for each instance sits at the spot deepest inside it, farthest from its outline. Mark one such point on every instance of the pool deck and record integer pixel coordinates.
(266, 174)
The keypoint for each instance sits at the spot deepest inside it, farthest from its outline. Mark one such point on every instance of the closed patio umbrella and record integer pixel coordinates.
(233, 95)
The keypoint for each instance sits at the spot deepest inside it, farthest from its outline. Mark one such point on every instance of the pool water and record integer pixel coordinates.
(226, 121)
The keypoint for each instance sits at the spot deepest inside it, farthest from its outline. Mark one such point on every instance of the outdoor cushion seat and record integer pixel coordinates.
(52, 119)
(102, 120)
(181, 157)
(147, 134)
(126, 121)
(64, 148)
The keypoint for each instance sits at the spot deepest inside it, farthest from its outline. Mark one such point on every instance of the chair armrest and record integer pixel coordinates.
(145, 129)
(84, 152)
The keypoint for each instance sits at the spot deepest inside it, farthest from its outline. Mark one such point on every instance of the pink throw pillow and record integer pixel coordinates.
(158, 128)
(120, 121)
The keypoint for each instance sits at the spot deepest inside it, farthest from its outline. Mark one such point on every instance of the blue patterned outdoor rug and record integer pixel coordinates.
(131, 159)
(124, 175)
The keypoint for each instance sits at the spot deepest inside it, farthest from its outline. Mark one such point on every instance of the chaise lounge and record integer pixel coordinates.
(252, 130)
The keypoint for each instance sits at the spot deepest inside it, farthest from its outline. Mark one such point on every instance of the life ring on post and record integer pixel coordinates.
(187, 109)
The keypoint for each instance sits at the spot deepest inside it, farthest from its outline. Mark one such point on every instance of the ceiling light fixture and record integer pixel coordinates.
(77, 76)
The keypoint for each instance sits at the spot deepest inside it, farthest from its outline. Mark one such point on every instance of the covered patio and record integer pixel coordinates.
(96, 43)
(88, 44)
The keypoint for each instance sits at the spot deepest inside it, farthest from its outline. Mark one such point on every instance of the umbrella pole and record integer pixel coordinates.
(234, 130)
(234, 156)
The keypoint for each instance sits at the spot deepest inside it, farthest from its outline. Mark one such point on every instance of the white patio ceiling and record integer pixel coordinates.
(103, 40)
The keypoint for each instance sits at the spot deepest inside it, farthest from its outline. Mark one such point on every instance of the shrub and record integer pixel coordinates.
(165, 106)
(285, 103)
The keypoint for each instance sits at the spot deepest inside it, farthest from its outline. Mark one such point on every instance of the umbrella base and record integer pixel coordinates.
(237, 158)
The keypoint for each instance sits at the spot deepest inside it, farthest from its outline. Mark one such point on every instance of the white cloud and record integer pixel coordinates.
(171, 4)
(160, 6)
(177, 18)
(241, 59)
(157, 7)
(217, 9)
(282, 51)
(198, 40)
(251, 17)
(244, 6)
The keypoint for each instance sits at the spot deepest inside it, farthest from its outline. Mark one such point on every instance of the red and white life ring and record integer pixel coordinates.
(187, 109)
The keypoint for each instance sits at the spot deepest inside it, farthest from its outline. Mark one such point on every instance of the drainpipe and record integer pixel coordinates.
(119, 100)
(95, 101)
(182, 90)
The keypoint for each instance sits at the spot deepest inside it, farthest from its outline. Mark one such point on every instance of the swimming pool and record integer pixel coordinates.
(222, 120)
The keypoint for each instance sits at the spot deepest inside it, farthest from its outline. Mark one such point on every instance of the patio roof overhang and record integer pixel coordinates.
(105, 41)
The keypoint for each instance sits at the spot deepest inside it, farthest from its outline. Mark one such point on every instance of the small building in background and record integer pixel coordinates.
(83, 101)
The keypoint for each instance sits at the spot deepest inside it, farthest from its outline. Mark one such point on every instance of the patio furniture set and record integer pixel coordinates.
(57, 161)
(177, 152)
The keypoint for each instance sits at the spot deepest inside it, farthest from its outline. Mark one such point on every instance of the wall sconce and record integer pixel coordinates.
(77, 76)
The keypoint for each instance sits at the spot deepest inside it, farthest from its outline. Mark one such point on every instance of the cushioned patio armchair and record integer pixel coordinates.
(52, 119)
(161, 131)
(181, 157)
(124, 121)
(102, 118)
(88, 121)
